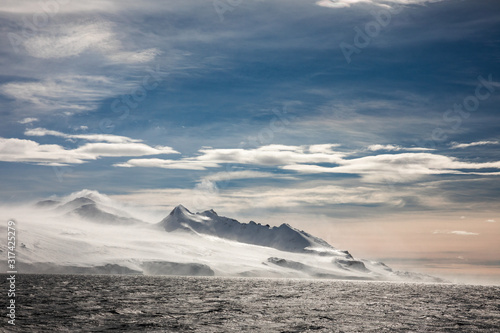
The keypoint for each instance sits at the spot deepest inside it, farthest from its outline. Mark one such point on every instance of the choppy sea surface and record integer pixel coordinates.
(82, 303)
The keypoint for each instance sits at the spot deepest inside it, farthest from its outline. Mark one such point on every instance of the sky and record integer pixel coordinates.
(372, 124)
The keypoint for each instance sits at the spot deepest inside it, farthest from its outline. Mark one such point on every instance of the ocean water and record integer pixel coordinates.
(82, 303)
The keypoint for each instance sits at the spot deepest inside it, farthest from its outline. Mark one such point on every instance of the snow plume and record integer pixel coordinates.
(90, 194)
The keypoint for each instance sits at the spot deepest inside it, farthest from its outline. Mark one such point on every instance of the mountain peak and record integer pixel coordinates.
(180, 210)
(93, 213)
(210, 213)
(83, 200)
(76, 203)
(88, 194)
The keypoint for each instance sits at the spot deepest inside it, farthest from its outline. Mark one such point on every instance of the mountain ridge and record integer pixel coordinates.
(284, 237)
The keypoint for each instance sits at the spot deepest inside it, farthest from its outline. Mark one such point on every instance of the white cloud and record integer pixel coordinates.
(417, 149)
(27, 151)
(383, 147)
(456, 232)
(306, 159)
(17, 150)
(490, 221)
(270, 155)
(28, 120)
(123, 149)
(323, 148)
(396, 167)
(89, 137)
(456, 145)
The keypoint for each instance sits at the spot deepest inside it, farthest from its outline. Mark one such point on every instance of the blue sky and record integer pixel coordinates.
(361, 112)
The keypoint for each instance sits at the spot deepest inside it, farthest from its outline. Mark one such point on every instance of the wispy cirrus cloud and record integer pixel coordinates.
(69, 40)
(89, 137)
(71, 93)
(381, 3)
(456, 145)
(90, 6)
(27, 6)
(377, 147)
(84, 50)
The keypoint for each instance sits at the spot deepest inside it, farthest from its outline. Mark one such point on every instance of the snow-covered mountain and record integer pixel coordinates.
(88, 233)
(284, 237)
(93, 210)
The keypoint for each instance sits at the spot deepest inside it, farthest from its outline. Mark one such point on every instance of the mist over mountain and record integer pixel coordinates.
(90, 207)
(88, 233)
